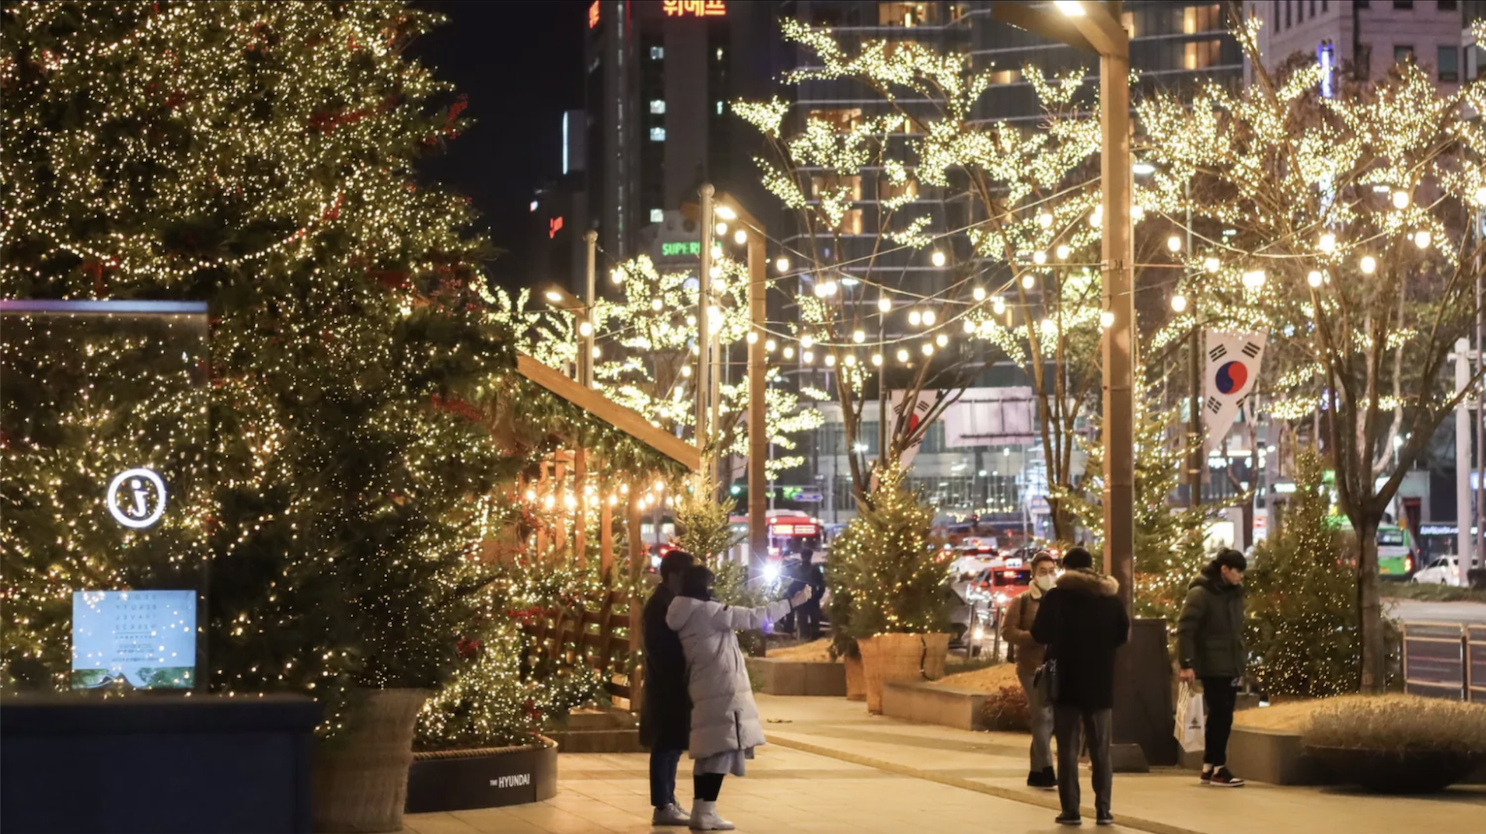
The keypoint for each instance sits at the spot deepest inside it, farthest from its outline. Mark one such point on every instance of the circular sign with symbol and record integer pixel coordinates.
(136, 498)
(1231, 377)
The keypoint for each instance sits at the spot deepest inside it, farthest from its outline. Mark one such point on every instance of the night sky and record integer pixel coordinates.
(521, 64)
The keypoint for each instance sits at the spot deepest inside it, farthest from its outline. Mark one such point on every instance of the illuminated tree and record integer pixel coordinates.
(1024, 281)
(258, 156)
(1350, 240)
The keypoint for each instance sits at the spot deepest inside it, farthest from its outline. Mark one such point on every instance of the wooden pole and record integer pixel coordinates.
(1119, 335)
(758, 436)
(580, 513)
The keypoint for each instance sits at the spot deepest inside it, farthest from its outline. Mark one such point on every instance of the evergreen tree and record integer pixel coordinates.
(1302, 598)
(888, 567)
(1169, 550)
(259, 156)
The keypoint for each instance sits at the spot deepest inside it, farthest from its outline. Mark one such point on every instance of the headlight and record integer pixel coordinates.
(1001, 599)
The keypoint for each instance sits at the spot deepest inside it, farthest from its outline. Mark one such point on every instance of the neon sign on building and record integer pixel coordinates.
(694, 8)
(593, 14)
(554, 225)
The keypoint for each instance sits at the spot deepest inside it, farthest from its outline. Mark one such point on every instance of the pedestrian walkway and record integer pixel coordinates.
(832, 769)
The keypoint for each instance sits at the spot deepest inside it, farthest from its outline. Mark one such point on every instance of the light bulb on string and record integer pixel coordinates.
(1045, 220)
(770, 345)
(1174, 243)
(877, 360)
(740, 237)
(1327, 243)
(1039, 257)
(969, 326)
(1096, 217)
(998, 305)
(686, 371)
(1254, 279)
(807, 341)
(752, 337)
(616, 275)
(830, 360)
(1179, 303)
(928, 348)
(1480, 196)
(1314, 278)
(585, 329)
(929, 318)
(808, 357)
(721, 228)
(850, 360)
(716, 252)
(1063, 251)
(902, 354)
(937, 258)
(1106, 318)
(789, 352)
(915, 317)
(782, 264)
(979, 293)
(1028, 281)
(1422, 239)
(1211, 264)
(691, 321)
(859, 336)
(941, 340)
(884, 304)
(1368, 264)
(1400, 199)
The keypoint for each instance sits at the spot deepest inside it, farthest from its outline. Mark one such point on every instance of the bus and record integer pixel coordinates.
(1395, 552)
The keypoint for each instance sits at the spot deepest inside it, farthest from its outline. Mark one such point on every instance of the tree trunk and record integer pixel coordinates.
(1370, 606)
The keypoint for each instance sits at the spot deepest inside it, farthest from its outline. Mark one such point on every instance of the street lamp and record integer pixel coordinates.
(561, 299)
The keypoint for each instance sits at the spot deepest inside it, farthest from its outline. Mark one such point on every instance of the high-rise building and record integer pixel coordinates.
(1368, 36)
(661, 77)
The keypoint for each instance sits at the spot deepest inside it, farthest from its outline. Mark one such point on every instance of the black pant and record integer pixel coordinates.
(663, 776)
(1070, 725)
(808, 617)
(706, 786)
(1219, 696)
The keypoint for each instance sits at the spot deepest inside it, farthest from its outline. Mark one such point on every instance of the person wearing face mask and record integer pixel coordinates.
(1210, 647)
(1016, 629)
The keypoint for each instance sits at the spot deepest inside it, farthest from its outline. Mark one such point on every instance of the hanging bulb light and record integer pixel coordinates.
(1045, 220)
(1028, 281)
(969, 326)
(740, 237)
(830, 360)
(1063, 251)
(877, 360)
(1039, 258)
(752, 337)
(770, 345)
(616, 275)
(1106, 318)
(858, 336)
(1211, 264)
(1422, 239)
(928, 348)
(715, 272)
(1096, 217)
(1254, 279)
(691, 321)
(808, 357)
(884, 304)
(686, 371)
(1179, 303)
(1137, 212)
(998, 305)
(929, 318)
(721, 228)
(656, 305)
(585, 329)
(902, 354)
(979, 293)
(1327, 244)
(789, 352)
(782, 264)
(915, 318)
(1480, 196)
(850, 360)
(1400, 199)
(1174, 243)
(1314, 278)
(941, 340)
(1369, 264)
(807, 341)
(937, 258)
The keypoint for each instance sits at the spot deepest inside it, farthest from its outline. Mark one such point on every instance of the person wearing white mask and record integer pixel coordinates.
(1016, 629)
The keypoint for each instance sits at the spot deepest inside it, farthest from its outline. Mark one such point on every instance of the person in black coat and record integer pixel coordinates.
(809, 576)
(665, 712)
(1082, 622)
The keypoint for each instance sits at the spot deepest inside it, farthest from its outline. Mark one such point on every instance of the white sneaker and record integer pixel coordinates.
(672, 814)
(704, 817)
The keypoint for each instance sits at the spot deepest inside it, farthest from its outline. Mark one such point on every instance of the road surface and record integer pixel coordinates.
(1416, 611)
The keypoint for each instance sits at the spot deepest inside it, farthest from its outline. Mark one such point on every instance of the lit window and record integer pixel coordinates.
(657, 134)
(657, 216)
(719, 108)
(842, 121)
(657, 105)
(657, 53)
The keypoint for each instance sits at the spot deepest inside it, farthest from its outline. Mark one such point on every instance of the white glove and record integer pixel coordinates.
(802, 597)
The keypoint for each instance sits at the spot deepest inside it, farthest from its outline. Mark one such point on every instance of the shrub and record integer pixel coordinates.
(1398, 723)
(1007, 710)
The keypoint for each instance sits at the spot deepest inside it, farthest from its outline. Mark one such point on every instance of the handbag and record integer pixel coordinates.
(1045, 680)
(1191, 719)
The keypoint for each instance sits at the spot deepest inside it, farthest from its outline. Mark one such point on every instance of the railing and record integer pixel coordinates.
(1445, 660)
(601, 635)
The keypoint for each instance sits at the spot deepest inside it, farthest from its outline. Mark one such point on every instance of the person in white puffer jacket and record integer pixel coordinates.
(724, 719)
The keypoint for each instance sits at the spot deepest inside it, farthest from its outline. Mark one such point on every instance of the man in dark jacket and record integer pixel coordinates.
(665, 712)
(1210, 647)
(1082, 622)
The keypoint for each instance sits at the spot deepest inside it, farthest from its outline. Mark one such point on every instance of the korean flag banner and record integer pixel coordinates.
(1233, 361)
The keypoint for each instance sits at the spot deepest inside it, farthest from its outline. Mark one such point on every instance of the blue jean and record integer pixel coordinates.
(663, 776)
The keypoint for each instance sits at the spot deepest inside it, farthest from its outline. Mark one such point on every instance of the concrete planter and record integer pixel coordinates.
(790, 677)
(1274, 757)
(856, 679)
(927, 703)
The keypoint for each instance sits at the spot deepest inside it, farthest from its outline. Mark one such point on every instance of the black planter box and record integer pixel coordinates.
(458, 780)
(157, 764)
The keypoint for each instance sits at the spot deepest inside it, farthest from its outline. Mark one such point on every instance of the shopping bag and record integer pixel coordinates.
(1191, 720)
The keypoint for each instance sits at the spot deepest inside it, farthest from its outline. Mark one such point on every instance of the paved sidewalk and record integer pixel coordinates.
(833, 769)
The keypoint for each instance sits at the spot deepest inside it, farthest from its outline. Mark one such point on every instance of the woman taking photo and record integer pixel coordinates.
(724, 720)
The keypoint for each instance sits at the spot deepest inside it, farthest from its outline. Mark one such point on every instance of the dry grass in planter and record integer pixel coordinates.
(1397, 743)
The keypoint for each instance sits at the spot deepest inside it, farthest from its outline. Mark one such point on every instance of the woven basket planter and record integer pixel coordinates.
(361, 776)
(856, 679)
(936, 649)
(893, 657)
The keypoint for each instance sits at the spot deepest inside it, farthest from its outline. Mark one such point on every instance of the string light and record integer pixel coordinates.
(929, 318)
(1254, 279)
(740, 237)
(877, 360)
(1313, 278)
(830, 360)
(781, 264)
(1063, 251)
(858, 336)
(1211, 265)
(902, 354)
(1422, 239)
(915, 318)
(1028, 281)
(1327, 243)
(1174, 243)
(885, 304)
(1368, 264)
(937, 258)
(979, 293)
(1179, 303)
(928, 348)
(1400, 199)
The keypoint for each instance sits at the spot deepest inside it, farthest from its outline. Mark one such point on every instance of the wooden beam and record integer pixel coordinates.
(626, 420)
(580, 514)
(1102, 30)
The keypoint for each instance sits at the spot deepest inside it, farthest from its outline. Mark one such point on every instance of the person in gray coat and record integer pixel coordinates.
(725, 726)
(1210, 647)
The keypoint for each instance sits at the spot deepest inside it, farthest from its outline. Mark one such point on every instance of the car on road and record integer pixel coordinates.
(1440, 572)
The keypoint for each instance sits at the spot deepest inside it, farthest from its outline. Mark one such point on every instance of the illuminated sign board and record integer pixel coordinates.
(689, 8)
(554, 226)
(593, 14)
(136, 498)
(680, 248)
(133, 639)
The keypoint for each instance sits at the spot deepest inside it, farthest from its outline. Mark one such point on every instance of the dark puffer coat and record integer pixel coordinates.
(665, 711)
(1209, 633)
(1082, 622)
